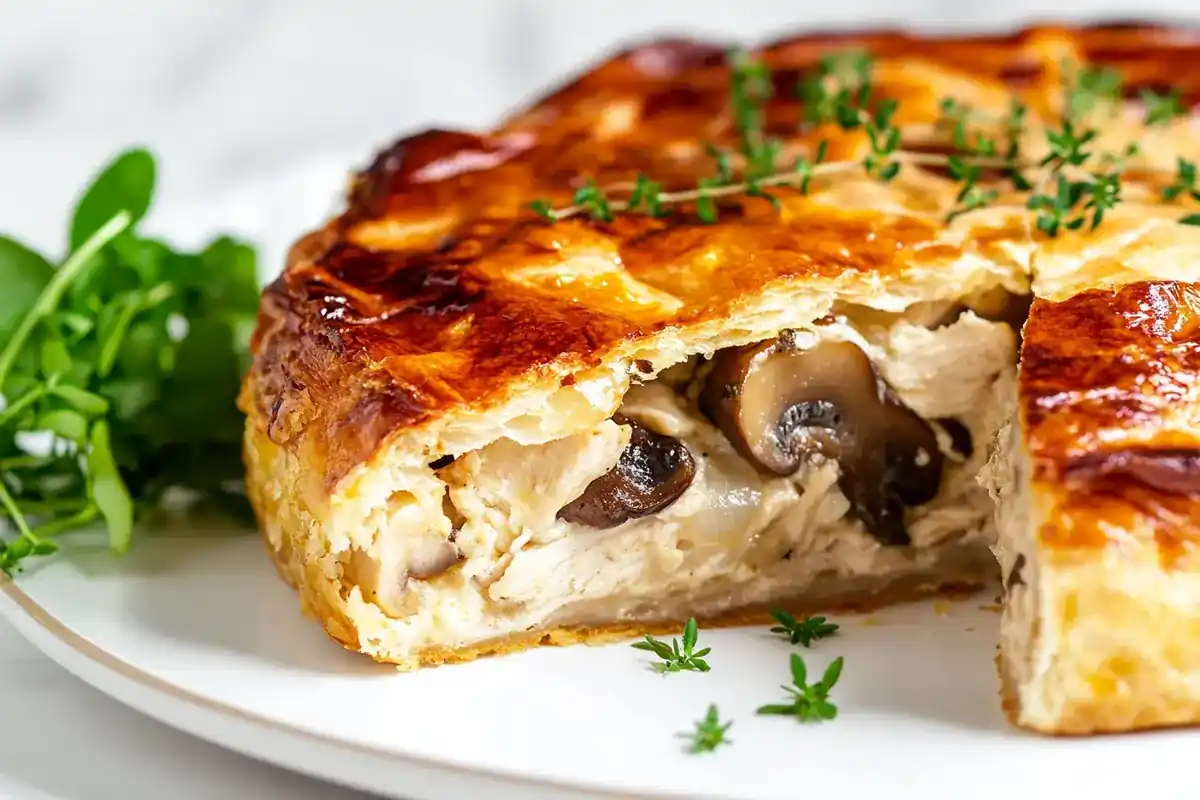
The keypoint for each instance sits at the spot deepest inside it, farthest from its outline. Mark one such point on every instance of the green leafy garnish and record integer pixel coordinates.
(544, 209)
(807, 703)
(674, 658)
(645, 196)
(1093, 87)
(966, 142)
(593, 199)
(1014, 125)
(884, 138)
(804, 631)
(1163, 109)
(709, 733)
(839, 89)
(1185, 181)
(1054, 211)
(1067, 146)
(806, 169)
(119, 370)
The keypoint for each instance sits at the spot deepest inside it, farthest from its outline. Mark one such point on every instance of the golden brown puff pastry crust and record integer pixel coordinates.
(438, 290)
(1108, 407)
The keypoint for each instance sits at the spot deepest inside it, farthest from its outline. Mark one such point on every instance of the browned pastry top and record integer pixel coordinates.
(1110, 384)
(438, 288)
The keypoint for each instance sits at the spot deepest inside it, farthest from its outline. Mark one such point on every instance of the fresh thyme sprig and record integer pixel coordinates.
(839, 89)
(1184, 183)
(807, 702)
(884, 138)
(840, 92)
(971, 196)
(709, 733)
(1162, 109)
(1015, 128)
(804, 631)
(676, 658)
(1092, 87)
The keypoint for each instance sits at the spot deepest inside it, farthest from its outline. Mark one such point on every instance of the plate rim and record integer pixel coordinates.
(504, 784)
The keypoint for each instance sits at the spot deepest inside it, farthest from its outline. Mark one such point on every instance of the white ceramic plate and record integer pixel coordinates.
(196, 630)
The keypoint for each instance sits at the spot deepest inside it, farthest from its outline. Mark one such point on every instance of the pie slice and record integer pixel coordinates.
(473, 427)
(1098, 514)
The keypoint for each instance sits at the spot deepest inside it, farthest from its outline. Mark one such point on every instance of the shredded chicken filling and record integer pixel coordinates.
(698, 521)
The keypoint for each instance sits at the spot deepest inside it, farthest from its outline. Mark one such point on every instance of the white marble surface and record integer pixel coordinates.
(237, 91)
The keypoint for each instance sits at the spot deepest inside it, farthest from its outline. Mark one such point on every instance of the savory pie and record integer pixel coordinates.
(472, 430)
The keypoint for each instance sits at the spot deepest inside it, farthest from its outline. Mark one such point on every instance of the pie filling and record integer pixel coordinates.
(835, 458)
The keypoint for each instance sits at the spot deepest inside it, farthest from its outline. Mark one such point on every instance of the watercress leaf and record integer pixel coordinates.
(45, 549)
(129, 397)
(125, 184)
(108, 490)
(146, 257)
(113, 329)
(84, 401)
(140, 353)
(23, 275)
(19, 548)
(228, 275)
(69, 325)
(65, 423)
(56, 359)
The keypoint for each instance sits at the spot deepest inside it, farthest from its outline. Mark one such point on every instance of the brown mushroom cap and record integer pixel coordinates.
(781, 406)
(651, 474)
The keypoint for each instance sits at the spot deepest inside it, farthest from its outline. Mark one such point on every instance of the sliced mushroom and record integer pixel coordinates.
(651, 474)
(782, 406)
(960, 436)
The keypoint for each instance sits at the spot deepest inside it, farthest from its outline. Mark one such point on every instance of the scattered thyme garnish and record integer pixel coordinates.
(1162, 109)
(1185, 181)
(805, 169)
(1093, 87)
(1077, 187)
(675, 659)
(971, 196)
(1184, 184)
(839, 89)
(885, 140)
(592, 198)
(1066, 146)
(1015, 127)
(804, 631)
(709, 734)
(749, 90)
(1054, 210)
(544, 209)
(956, 116)
(645, 195)
(807, 703)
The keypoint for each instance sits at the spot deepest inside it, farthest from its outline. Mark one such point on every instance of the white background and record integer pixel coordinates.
(236, 91)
